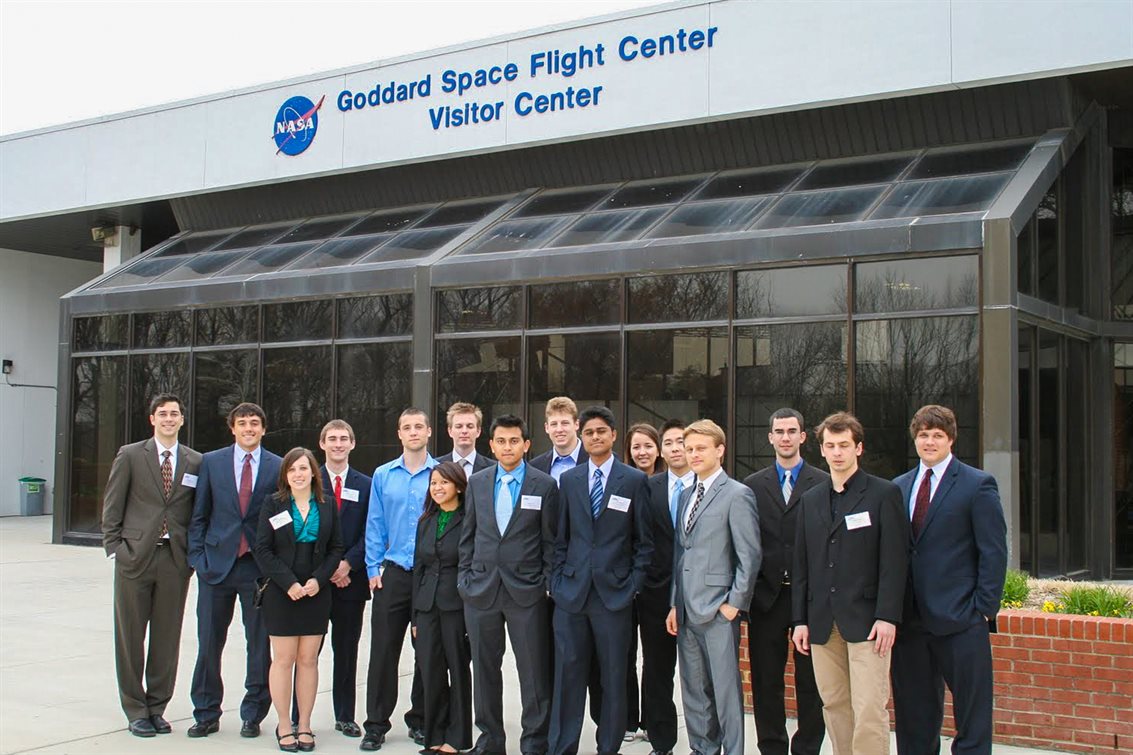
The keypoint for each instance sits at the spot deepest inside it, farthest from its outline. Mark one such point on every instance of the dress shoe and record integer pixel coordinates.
(203, 728)
(141, 727)
(348, 728)
(249, 729)
(292, 745)
(417, 735)
(306, 746)
(372, 742)
(659, 752)
(481, 749)
(160, 725)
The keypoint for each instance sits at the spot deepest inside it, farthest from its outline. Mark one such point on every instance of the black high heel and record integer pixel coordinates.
(305, 746)
(293, 747)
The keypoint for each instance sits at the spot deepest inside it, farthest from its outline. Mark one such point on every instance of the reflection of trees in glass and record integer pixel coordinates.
(222, 379)
(679, 298)
(478, 309)
(791, 292)
(483, 371)
(373, 316)
(677, 373)
(1046, 224)
(374, 385)
(151, 374)
(917, 285)
(98, 429)
(1121, 220)
(563, 305)
(228, 325)
(298, 320)
(297, 393)
(157, 330)
(101, 333)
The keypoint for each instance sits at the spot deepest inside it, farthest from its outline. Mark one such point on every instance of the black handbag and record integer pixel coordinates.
(261, 586)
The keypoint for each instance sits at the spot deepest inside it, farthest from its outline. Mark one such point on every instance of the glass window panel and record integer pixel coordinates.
(1046, 237)
(375, 316)
(801, 366)
(584, 366)
(297, 393)
(478, 309)
(98, 430)
(677, 374)
(909, 285)
(221, 380)
(1026, 449)
(819, 208)
(901, 365)
(942, 196)
(679, 298)
(604, 227)
(577, 303)
(223, 326)
(253, 237)
(1025, 259)
(1079, 231)
(748, 183)
(1121, 223)
(513, 235)
(193, 243)
(309, 320)
(412, 245)
(388, 221)
(1048, 459)
(161, 330)
(710, 217)
(652, 191)
(1123, 455)
(342, 251)
(203, 265)
(483, 371)
(271, 258)
(316, 230)
(151, 374)
(1076, 441)
(461, 212)
(562, 201)
(374, 385)
(866, 170)
(104, 333)
(141, 271)
(983, 158)
(791, 292)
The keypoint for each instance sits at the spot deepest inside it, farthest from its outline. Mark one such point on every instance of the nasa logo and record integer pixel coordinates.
(296, 124)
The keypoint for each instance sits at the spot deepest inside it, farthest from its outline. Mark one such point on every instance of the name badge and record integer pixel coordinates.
(189, 480)
(282, 519)
(531, 502)
(857, 521)
(619, 503)
(349, 494)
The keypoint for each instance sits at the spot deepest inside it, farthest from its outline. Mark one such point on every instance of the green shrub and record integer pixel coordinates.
(1015, 589)
(1096, 601)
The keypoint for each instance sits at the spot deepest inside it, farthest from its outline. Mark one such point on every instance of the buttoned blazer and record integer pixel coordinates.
(777, 528)
(134, 505)
(435, 564)
(659, 574)
(519, 560)
(717, 561)
(850, 576)
(482, 462)
(959, 562)
(216, 524)
(352, 519)
(609, 554)
(275, 547)
(543, 461)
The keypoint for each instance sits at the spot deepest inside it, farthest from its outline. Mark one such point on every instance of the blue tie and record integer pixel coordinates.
(504, 503)
(675, 499)
(596, 494)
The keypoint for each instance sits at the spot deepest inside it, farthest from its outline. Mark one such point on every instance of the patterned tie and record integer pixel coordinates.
(338, 491)
(675, 500)
(787, 487)
(920, 508)
(504, 503)
(166, 485)
(467, 467)
(596, 494)
(245, 500)
(695, 506)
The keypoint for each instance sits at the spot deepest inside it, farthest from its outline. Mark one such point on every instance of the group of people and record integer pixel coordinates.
(574, 554)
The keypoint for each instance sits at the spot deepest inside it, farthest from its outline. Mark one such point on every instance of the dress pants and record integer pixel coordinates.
(922, 664)
(390, 617)
(154, 599)
(446, 673)
(854, 683)
(768, 646)
(658, 669)
(345, 634)
(215, 606)
(594, 683)
(709, 656)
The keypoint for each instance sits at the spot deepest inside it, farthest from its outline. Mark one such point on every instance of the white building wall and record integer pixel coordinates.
(30, 287)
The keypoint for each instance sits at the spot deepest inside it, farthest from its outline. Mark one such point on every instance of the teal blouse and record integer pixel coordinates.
(305, 531)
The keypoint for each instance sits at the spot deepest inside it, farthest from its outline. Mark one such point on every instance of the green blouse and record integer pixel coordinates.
(306, 531)
(443, 518)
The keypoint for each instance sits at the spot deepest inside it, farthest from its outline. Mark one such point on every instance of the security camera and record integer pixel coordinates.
(102, 232)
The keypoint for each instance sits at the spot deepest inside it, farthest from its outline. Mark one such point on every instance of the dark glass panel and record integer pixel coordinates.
(374, 385)
(104, 333)
(791, 292)
(221, 380)
(162, 330)
(483, 371)
(679, 298)
(316, 230)
(562, 201)
(604, 227)
(309, 320)
(253, 237)
(920, 284)
(577, 303)
(1123, 455)
(193, 243)
(983, 158)
(271, 258)
(901, 365)
(98, 430)
(1121, 221)
(1025, 259)
(584, 366)
(342, 251)
(388, 221)
(710, 217)
(374, 316)
(1046, 236)
(204, 265)
(818, 208)
(478, 309)
(461, 212)
(151, 374)
(1076, 440)
(801, 366)
(749, 183)
(652, 191)
(1077, 209)
(297, 395)
(1048, 462)
(942, 196)
(412, 245)
(141, 271)
(1026, 449)
(228, 325)
(865, 170)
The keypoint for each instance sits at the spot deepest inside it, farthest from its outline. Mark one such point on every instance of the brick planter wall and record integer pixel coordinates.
(1061, 682)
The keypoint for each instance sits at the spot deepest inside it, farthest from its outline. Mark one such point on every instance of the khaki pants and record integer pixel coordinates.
(854, 684)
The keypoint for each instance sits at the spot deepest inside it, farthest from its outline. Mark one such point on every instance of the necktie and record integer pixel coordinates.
(338, 491)
(675, 499)
(504, 503)
(166, 485)
(787, 487)
(920, 508)
(467, 467)
(695, 506)
(596, 494)
(245, 500)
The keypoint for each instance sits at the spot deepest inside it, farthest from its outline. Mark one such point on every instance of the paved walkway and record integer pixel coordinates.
(57, 686)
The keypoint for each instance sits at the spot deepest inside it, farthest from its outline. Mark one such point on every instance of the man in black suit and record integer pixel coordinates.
(851, 556)
(778, 489)
(561, 426)
(602, 549)
(506, 546)
(957, 566)
(464, 421)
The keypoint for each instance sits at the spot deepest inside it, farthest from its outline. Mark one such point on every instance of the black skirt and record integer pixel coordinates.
(285, 617)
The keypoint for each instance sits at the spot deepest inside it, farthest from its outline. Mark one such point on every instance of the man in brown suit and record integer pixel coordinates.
(145, 517)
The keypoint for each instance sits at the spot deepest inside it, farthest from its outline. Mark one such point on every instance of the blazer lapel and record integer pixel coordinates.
(940, 498)
(709, 497)
(182, 467)
(153, 466)
(854, 497)
(615, 480)
(800, 485)
(456, 517)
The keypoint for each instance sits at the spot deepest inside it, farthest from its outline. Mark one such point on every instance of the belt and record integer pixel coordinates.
(387, 563)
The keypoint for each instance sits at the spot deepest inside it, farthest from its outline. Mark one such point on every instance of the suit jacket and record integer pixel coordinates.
(609, 554)
(352, 520)
(718, 560)
(216, 524)
(659, 574)
(850, 576)
(542, 462)
(482, 462)
(777, 528)
(958, 563)
(435, 563)
(519, 560)
(275, 546)
(134, 505)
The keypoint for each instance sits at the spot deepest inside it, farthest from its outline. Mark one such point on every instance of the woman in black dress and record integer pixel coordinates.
(438, 615)
(298, 547)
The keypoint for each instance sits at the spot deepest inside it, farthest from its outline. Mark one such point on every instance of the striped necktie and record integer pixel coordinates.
(596, 494)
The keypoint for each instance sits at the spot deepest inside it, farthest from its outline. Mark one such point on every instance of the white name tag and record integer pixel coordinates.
(282, 519)
(531, 502)
(349, 494)
(189, 480)
(857, 521)
(618, 503)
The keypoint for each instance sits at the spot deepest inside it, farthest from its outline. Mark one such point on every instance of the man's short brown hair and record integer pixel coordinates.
(840, 422)
(707, 428)
(561, 405)
(413, 411)
(463, 407)
(247, 409)
(336, 424)
(934, 417)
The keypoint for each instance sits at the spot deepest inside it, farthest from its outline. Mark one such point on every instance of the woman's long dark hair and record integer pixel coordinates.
(284, 492)
(452, 472)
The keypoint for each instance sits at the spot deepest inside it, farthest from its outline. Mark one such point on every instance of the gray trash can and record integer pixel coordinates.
(32, 490)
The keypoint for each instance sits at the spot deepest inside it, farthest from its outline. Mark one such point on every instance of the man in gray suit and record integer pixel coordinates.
(716, 558)
(145, 517)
